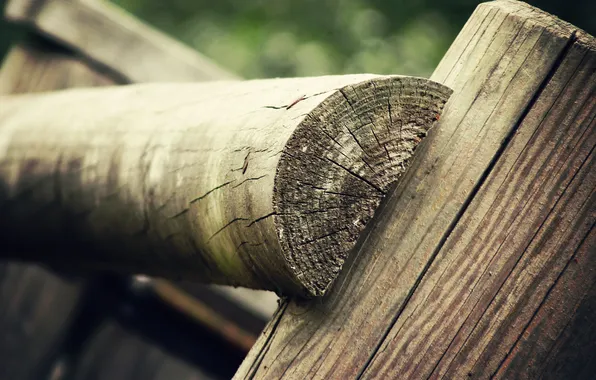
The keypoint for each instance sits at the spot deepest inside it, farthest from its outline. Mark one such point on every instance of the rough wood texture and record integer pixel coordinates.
(115, 40)
(262, 184)
(477, 262)
(39, 68)
(33, 340)
(37, 307)
(40, 65)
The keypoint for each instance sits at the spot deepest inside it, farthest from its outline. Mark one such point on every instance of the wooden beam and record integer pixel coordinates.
(40, 65)
(37, 306)
(34, 67)
(263, 184)
(480, 257)
(115, 40)
(159, 50)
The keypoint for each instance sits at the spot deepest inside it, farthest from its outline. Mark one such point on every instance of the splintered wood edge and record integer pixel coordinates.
(340, 162)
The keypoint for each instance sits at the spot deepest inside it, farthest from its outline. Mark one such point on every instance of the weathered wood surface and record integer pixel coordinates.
(115, 40)
(263, 184)
(481, 261)
(37, 307)
(40, 65)
(38, 68)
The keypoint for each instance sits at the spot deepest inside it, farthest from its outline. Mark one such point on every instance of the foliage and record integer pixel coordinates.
(269, 38)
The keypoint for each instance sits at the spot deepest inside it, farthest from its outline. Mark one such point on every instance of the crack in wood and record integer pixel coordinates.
(209, 192)
(248, 180)
(225, 226)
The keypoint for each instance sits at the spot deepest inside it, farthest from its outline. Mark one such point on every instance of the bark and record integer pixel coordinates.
(263, 184)
(482, 262)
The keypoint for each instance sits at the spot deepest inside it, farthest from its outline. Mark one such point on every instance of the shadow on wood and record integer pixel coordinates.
(478, 260)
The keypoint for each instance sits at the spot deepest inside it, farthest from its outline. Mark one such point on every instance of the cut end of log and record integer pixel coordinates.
(235, 183)
(338, 165)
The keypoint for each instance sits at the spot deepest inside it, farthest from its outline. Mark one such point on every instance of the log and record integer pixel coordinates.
(264, 184)
(37, 306)
(38, 68)
(108, 66)
(114, 40)
(39, 65)
(481, 261)
(42, 310)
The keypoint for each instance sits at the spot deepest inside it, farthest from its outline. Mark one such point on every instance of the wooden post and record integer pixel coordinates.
(264, 184)
(52, 63)
(38, 306)
(115, 41)
(482, 262)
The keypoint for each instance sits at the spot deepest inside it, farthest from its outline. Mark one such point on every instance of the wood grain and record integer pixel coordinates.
(115, 41)
(508, 278)
(41, 67)
(37, 306)
(232, 182)
(38, 66)
(456, 269)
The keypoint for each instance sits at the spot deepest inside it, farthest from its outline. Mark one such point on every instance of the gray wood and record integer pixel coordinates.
(474, 252)
(521, 257)
(263, 184)
(33, 67)
(115, 40)
(37, 306)
(114, 60)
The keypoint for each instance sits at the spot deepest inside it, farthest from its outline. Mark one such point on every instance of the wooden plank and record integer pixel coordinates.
(509, 277)
(572, 355)
(234, 183)
(116, 41)
(39, 67)
(389, 314)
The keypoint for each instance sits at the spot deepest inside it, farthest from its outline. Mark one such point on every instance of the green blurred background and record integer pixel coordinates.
(276, 38)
